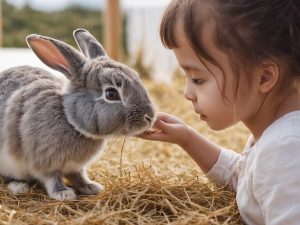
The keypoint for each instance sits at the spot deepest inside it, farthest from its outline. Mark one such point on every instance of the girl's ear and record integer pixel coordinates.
(267, 76)
(56, 54)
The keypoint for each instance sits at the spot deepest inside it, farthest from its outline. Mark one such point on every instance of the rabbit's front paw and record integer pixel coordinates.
(90, 189)
(17, 187)
(67, 194)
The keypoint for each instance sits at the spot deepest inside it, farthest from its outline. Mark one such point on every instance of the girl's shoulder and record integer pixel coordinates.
(281, 137)
(275, 169)
(286, 126)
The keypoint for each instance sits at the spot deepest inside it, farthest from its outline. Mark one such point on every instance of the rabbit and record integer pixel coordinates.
(51, 130)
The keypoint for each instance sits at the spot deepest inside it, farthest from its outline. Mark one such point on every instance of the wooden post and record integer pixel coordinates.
(1, 25)
(113, 20)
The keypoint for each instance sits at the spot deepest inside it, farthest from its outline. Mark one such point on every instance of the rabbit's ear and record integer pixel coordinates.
(56, 54)
(88, 45)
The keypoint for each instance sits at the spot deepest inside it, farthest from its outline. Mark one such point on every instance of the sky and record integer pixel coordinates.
(53, 5)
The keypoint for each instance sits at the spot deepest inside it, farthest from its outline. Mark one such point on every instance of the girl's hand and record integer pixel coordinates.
(168, 128)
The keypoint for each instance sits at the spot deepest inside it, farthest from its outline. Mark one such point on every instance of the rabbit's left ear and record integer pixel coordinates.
(56, 54)
(88, 45)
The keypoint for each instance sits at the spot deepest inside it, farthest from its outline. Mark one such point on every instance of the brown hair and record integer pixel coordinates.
(249, 32)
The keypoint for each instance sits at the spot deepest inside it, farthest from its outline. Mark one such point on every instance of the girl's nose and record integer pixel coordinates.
(188, 93)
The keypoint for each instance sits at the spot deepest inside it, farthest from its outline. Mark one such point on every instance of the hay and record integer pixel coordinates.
(141, 197)
(152, 183)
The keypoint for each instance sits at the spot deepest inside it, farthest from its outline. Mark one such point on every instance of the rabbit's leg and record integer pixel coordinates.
(56, 188)
(82, 184)
(18, 187)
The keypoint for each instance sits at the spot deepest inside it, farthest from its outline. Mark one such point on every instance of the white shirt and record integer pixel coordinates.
(266, 176)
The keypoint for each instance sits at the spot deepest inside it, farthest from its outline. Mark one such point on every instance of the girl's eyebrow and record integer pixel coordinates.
(192, 68)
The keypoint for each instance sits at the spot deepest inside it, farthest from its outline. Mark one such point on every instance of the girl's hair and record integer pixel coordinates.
(248, 31)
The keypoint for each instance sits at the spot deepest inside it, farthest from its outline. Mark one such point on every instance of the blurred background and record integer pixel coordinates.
(128, 29)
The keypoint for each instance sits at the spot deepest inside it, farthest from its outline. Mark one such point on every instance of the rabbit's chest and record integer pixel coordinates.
(72, 166)
(12, 167)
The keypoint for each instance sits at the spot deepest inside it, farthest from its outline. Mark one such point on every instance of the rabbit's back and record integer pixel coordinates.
(16, 86)
(13, 85)
(33, 123)
(16, 78)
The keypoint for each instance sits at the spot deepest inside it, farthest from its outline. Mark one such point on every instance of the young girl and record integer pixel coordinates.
(242, 63)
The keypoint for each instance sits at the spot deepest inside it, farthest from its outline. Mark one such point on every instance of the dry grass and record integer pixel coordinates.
(152, 183)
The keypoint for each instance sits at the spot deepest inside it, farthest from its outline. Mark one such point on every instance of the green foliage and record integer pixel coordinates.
(18, 23)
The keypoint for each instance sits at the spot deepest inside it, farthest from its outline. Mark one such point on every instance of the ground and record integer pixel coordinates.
(145, 182)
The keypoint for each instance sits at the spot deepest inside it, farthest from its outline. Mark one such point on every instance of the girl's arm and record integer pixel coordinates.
(204, 152)
(220, 165)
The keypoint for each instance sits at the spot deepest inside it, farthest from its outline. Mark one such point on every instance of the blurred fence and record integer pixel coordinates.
(1, 27)
(143, 40)
(113, 29)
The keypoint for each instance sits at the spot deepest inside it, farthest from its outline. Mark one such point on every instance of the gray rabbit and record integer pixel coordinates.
(50, 130)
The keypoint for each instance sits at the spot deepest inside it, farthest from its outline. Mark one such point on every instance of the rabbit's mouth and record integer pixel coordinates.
(138, 124)
(138, 130)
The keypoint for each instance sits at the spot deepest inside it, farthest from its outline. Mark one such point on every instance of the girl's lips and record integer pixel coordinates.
(202, 117)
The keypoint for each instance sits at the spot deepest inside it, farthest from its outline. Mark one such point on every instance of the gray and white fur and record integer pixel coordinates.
(51, 130)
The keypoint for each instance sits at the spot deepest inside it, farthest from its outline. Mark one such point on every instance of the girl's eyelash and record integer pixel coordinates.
(198, 81)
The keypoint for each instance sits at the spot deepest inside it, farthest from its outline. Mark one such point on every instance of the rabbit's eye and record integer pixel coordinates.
(112, 94)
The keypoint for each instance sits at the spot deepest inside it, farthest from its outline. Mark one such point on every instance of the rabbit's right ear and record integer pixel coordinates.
(56, 54)
(88, 45)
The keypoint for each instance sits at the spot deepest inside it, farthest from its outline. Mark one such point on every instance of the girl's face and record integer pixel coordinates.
(204, 90)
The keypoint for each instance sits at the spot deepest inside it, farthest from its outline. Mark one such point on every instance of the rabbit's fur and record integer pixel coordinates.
(51, 130)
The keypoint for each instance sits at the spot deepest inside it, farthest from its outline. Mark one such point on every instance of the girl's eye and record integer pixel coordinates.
(112, 94)
(198, 81)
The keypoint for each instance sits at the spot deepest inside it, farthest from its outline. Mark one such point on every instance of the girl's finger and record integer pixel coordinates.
(168, 118)
(153, 136)
(164, 117)
(164, 127)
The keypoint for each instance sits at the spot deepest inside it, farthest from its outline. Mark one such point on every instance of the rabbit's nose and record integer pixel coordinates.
(149, 113)
(148, 119)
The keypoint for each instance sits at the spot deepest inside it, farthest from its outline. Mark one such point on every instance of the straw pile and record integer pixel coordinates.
(145, 182)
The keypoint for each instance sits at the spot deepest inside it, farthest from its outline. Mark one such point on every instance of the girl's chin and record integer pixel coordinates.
(214, 125)
(217, 127)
